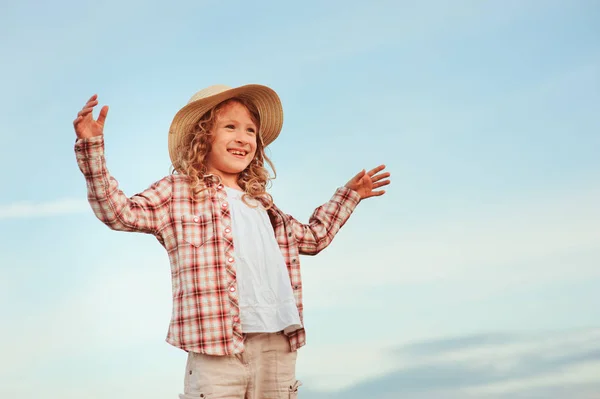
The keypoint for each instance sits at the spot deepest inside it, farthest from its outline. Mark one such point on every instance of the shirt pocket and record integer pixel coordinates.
(197, 230)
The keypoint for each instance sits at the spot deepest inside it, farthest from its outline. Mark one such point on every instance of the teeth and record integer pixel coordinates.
(237, 152)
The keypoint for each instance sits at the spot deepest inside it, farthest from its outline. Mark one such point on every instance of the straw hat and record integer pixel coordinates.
(265, 99)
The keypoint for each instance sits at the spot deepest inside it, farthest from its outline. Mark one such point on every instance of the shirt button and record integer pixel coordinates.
(224, 205)
(232, 289)
(227, 230)
(236, 319)
(196, 220)
(230, 260)
(220, 186)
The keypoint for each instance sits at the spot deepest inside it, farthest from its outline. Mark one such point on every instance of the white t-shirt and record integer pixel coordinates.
(266, 298)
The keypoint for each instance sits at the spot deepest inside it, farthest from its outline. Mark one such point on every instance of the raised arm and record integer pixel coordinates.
(146, 212)
(327, 219)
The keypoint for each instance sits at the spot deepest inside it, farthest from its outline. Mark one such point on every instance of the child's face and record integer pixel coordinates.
(234, 141)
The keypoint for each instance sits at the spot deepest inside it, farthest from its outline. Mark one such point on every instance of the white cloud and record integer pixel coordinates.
(335, 367)
(520, 362)
(508, 351)
(580, 374)
(498, 246)
(28, 209)
(114, 309)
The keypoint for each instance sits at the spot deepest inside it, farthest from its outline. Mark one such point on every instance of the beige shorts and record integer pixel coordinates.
(266, 370)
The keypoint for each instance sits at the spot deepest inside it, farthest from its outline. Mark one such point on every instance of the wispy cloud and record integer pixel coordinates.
(551, 365)
(487, 365)
(28, 209)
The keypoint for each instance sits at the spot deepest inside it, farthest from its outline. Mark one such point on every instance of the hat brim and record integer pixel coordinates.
(264, 98)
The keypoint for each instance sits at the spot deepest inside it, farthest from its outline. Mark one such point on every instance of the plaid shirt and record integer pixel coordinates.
(198, 239)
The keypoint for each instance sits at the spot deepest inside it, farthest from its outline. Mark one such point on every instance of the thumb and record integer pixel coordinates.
(102, 116)
(359, 175)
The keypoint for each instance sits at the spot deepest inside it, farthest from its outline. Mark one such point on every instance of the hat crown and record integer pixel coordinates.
(209, 91)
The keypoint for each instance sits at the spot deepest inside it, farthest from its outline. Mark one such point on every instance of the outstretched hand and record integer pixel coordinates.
(85, 125)
(365, 183)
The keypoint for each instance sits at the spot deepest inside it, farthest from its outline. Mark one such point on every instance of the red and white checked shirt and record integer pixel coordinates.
(197, 236)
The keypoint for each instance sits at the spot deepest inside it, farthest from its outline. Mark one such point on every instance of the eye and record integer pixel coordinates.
(230, 126)
(252, 130)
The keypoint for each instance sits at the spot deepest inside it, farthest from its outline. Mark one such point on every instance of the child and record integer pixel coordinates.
(236, 284)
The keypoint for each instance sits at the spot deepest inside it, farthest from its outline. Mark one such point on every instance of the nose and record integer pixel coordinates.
(241, 138)
(241, 141)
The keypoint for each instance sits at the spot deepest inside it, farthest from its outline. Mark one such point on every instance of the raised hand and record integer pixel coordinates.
(364, 183)
(85, 125)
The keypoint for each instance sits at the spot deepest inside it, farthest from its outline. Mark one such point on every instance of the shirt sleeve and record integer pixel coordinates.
(146, 212)
(325, 222)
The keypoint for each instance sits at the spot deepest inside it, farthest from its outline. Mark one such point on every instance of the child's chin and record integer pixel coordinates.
(237, 169)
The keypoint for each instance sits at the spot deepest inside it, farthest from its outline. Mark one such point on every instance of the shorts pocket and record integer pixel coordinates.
(195, 387)
(293, 389)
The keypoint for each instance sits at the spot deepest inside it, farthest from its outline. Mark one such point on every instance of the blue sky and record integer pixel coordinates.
(475, 276)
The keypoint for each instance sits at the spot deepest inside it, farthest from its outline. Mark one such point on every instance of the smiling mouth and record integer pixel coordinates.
(237, 153)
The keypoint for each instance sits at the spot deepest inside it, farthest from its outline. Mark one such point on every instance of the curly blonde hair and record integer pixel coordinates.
(196, 144)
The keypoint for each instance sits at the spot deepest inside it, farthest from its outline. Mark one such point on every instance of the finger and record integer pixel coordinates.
(93, 98)
(102, 116)
(381, 176)
(80, 118)
(90, 105)
(376, 170)
(381, 184)
(88, 108)
(84, 112)
(375, 194)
